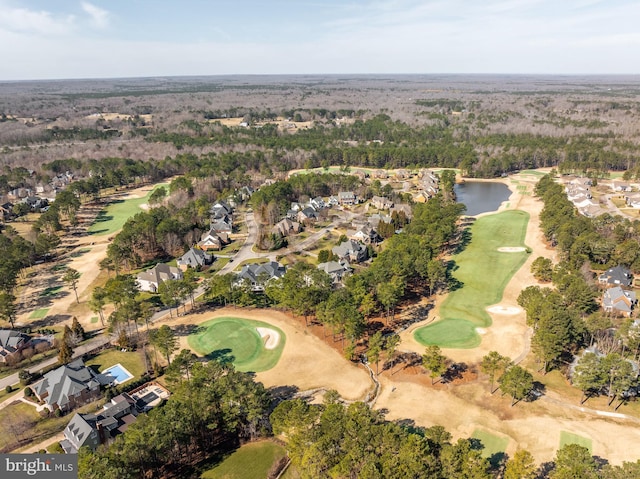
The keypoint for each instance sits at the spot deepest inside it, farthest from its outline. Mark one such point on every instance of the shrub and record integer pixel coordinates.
(28, 392)
(8, 389)
(25, 377)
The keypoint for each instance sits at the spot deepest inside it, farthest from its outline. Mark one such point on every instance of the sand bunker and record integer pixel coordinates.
(271, 337)
(511, 249)
(497, 309)
(481, 331)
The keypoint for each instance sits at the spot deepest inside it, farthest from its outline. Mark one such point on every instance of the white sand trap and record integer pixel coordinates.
(511, 249)
(271, 337)
(497, 309)
(144, 206)
(481, 331)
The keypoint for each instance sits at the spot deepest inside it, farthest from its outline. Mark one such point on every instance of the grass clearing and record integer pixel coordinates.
(251, 461)
(464, 309)
(39, 313)
(50, 291)
(115, 215)
(131, 360)
(493, 445)
(238, 341)
(571, 438)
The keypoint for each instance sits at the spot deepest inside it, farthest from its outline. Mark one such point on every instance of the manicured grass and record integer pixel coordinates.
(533, 172)
(50, 291)
(131, 360)
(238, 340)
(570, 438)
(39, 313)
(251, 461)
(115, 215)
(483, 272)
(94, 319)
(492, 444)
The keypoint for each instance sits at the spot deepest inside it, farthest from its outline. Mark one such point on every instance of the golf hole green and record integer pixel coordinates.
(239, 341)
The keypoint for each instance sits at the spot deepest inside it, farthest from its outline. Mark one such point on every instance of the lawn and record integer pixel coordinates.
(570, 438)
(39, 313)
(115, 215)
(493, 445)
(132, 361)
(533, 172)
(483, 272)
(238, 341)
(251, 461)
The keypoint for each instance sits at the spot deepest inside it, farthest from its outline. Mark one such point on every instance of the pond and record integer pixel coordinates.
(481, 197)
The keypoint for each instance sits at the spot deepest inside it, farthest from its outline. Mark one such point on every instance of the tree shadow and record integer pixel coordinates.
(462, 241)
(223, 356)
(453, 372)
(188, 329)
(284, 393)
(49, 321)
(537, 391)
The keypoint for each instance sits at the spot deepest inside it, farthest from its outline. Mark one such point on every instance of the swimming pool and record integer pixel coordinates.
(118, 373)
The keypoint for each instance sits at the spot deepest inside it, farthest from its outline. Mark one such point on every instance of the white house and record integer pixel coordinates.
(151, 279)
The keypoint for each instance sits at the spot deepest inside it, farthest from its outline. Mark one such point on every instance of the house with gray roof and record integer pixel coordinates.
(69, 386)
(620, 301)
(336, 269)
(11, 343)
(213, 240)
(350, 250)
(151, 279)
(258, 275)
(286, 227)
(347, 198)
(194, 258)
(618, 275)
(92, 430)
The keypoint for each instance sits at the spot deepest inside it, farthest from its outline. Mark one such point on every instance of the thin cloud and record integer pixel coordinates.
(22, 20)
(99, 17)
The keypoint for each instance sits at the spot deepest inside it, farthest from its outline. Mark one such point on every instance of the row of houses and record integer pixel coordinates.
(13, 342)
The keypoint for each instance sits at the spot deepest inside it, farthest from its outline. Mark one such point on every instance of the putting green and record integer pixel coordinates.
(239, 341)
(39, 313)
(570, 438)
(483, 272)
(116, 214)
(492, 444)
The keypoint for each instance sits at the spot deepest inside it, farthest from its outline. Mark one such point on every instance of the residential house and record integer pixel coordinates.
(336, 269)
(365, 234)
(620, 186)
(194, 258)
(69, 386)
(590, 211)
(307, 215)
(93, 430)
(221, 211)
(258, 275)
(618, 300)
(151, 279)
(375, 219)
(317, 203)
(333, 201)
(402, 207)
(632, 200)
(222, 225)
(618, 275)
(286, 227)
(213, 240)
(11, 343)
(347, 198)
(295, 206)
(402, 174)
(381, 174)
(350, 250)
(381, 203)
(6, 211)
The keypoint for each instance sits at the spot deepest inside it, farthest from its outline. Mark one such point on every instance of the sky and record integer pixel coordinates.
(45, 39)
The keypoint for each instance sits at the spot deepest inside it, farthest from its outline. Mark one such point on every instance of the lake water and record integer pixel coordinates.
(481, 197)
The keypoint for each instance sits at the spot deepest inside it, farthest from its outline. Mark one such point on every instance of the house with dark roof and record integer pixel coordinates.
(93, 430)
(258, 275)
(351, 251)
(618, 300)
(194, 258)
(11, 343)
(307, 215)
(151, 279)
(618, 275)
(69, 386)
(222, 225)
(364, 234)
